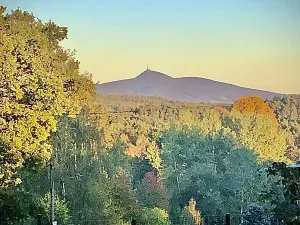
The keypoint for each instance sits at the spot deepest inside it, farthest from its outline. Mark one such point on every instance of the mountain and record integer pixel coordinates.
(189, 89)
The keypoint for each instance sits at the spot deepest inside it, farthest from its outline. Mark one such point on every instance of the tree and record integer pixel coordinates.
(187, 117)
(221, 177)
(287, 110)
(110, 195)
(111, 199)
(210, 122)
(145, 149)
(62, 212)
(156, 216)
(77, 145)
(186, 218)
(190, 215)
(21, 208)
(152, 192)
(284, 195)
(254, 104)
(260, 134)
(16, 206)
(255, 215)
(38, 80)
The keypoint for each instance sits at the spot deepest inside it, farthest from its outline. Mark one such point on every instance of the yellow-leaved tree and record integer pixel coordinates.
(190, 215)
(38, 80)
(256, 126)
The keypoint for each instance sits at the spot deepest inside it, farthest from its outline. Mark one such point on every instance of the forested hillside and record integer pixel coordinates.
(118, 158)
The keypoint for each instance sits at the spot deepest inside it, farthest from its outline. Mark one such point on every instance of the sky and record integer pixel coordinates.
(251, 43)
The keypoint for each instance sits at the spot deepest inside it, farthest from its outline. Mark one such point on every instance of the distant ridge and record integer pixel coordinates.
(189, 89)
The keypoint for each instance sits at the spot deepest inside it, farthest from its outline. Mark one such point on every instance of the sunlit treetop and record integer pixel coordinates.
(254, 104)
(38, 80)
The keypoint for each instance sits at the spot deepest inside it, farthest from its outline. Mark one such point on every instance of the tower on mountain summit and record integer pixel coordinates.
(147, 68)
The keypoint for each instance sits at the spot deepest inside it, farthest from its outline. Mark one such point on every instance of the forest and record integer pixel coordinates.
(118, 158)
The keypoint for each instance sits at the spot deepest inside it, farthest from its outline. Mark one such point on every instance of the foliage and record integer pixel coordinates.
(190, 215)
(144, 163)
(186, 218)
(38, 79)
(258, 133)
(111, 200)
(156, 216)
(255, 215)
(152, 192)
(210, 122)
(19, 207)
(146, 150)
(62, 212)
(206, 168)
(285, 192)
(254, 104)
(287, 110)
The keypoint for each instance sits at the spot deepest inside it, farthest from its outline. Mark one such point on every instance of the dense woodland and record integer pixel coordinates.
(116, 158)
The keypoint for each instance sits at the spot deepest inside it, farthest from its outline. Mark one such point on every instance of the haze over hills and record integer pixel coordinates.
(190, 89)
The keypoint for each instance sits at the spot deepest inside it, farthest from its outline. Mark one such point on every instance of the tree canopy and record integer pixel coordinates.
(118, 158)
(39, 80)
(254, 104)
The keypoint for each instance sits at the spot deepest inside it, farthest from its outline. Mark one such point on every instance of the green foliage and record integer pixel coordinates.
(190, 215)
(210, 169)
(105, 184)
(254, 128)
(285, 193)
(186, 218)
(255, 215)
(287, 110)
(152, 192)
(62, 212)
(17, 206)
(111, 200)
(96, 183)
(156, 216)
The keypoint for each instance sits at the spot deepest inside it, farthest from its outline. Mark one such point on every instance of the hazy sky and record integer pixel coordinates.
(253, 43)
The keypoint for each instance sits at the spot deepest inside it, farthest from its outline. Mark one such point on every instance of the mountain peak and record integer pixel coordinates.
(151, 74)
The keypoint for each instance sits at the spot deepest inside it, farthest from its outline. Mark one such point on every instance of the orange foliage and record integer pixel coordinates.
(218, 107)
(254, 104)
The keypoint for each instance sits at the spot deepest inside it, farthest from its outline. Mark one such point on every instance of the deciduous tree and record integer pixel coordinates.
(254, 104)
(38, 80)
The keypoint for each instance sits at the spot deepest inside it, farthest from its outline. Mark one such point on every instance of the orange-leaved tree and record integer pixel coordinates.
(254, 104)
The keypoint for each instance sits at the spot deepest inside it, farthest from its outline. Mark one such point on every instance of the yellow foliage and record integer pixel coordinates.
(38, 80)
(147, 150)
(260, 134)
(153, 154)
(139, 149)
(198, 220)
(210, 123)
